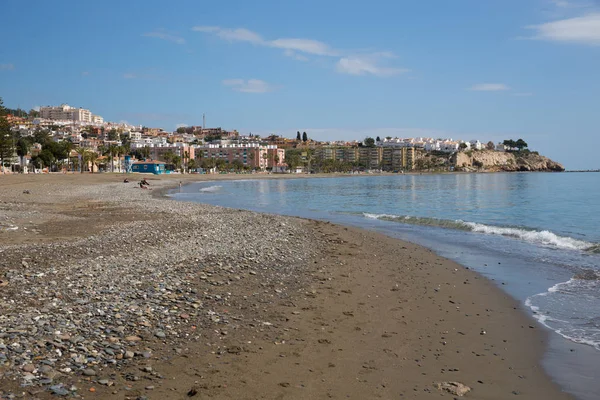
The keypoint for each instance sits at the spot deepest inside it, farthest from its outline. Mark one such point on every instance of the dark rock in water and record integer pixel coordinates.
(587, 275)
(594, 249)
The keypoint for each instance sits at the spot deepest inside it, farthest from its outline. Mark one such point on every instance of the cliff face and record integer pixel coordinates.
(499, 161)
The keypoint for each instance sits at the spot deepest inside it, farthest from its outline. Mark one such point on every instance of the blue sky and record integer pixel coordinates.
(464, 69)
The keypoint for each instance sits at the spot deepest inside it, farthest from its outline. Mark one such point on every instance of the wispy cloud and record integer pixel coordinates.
(232, 35)
(295, 56)
(357, 65)
(7, 67)
(164, 35)
(489, 87)
(353, 63)
(523, 94)
(130, 75)
(583, 30)
(249, 86)
(85, 73)
(181, 125)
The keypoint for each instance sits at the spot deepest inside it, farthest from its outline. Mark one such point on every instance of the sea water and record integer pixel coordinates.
(536, 234)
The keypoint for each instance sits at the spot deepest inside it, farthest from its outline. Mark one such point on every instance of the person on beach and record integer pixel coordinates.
(126, 180)
(145, 182)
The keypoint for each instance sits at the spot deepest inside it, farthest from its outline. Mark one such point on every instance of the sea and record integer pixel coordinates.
(536, 235)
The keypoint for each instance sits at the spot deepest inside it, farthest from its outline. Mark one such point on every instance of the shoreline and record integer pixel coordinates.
(372, 306)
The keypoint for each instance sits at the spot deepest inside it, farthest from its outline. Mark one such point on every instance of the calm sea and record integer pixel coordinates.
(536, 235)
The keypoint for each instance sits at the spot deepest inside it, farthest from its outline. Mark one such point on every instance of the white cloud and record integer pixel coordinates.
(357, 65)
(489, 87)
(181, 125)
(164, 35)
(249, 86)
(36, 108)
(523, 94)
(129, 76)
(7, 67)
(297, 48)
(294, 55)
(85, 73)
(303, 45)
(583, 30)
(232, 35)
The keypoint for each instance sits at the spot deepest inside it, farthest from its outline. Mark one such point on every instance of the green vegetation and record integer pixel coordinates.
(518, 144)
(369, 142)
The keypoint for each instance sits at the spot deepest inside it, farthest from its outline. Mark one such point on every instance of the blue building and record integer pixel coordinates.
(149, 167)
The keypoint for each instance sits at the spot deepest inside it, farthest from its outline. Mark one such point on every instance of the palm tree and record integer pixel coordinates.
(265, 157)
(186, 159)
(93, 156)
(192, 165)
(82, 153)
(113, 150)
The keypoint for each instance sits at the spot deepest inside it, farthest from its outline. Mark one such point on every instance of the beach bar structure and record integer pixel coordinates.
(149, 167)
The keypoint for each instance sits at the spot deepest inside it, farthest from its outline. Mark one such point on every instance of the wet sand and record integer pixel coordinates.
(368, 317)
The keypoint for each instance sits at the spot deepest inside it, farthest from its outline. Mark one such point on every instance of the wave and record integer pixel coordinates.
(561, 303)
(210, 189)
(544, 238)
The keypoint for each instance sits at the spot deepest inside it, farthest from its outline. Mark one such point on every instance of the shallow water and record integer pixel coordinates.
(536, 235)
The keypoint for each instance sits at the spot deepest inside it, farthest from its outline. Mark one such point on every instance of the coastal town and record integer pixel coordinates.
(73, 139)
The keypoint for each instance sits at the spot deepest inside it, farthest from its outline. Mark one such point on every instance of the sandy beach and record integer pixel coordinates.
(109, 291)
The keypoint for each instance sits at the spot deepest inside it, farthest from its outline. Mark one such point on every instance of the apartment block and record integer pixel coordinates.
(68, 113)
(398, 158)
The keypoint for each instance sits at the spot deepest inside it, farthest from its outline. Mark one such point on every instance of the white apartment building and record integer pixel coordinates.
(68, 113)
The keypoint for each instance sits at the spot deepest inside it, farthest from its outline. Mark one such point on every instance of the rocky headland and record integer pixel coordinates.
(495, 161)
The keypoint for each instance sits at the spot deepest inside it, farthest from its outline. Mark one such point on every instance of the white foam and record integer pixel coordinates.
(547, 321)
(543, 238)
(210, 189)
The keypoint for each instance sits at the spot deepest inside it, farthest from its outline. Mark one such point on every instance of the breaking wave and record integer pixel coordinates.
(210, 189)
(559, 309)
(544, 238)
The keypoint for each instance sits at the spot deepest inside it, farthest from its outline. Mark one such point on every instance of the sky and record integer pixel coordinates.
(337, 69)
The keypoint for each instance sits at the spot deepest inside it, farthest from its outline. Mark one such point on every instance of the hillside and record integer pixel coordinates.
(492, 161)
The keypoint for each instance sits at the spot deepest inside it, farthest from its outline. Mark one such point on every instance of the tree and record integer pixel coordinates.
(7, 147)
(168, 157)
(83, 154)
(113, 150)
(378, 139)
(92, 157)
(220, 164)
(463, 146)
(176, 162)
(369, 142)
(298, 137)
(292, 158)
(304, 137)
(521, 144)
(23, 146)
(66, 147)
(192, 165)
(113, 135)
(146, 152)
(181, 129)
(511, 144)
(237, 165)
(490, 145)
(2, 109)
(265, 157)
